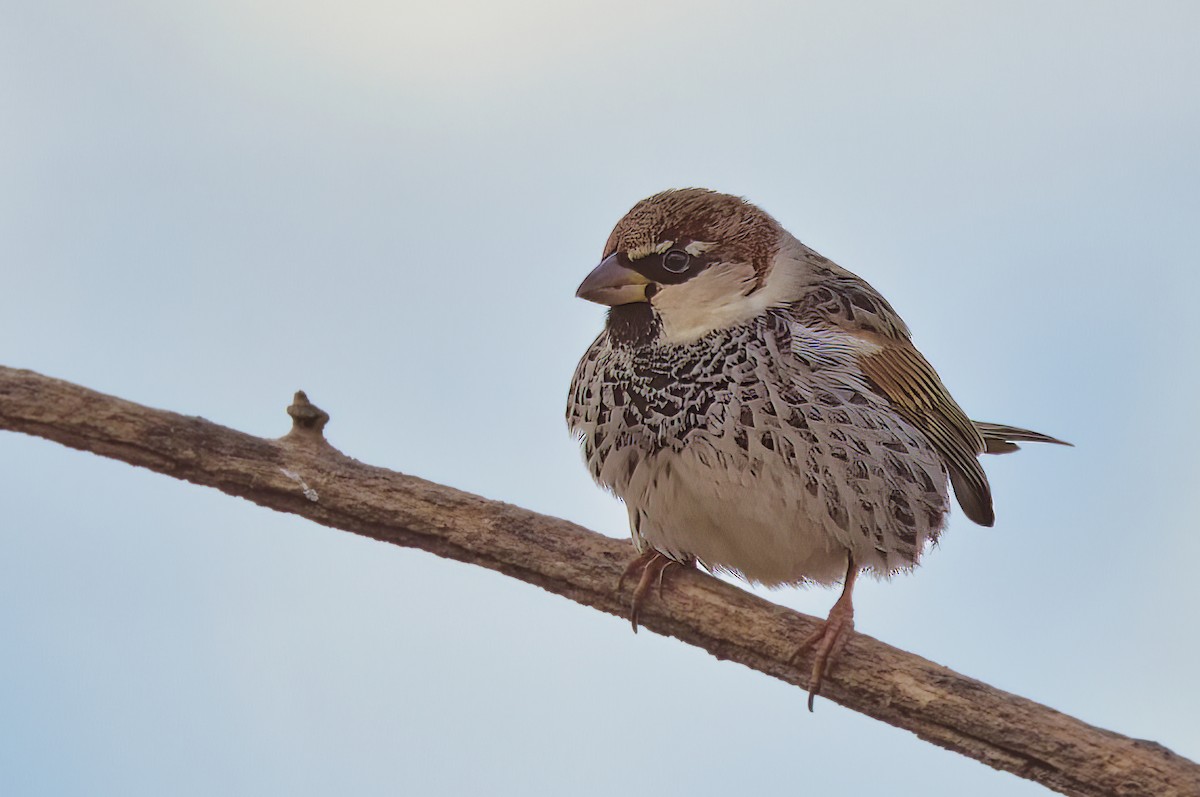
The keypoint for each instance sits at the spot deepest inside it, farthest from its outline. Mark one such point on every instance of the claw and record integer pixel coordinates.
(828, 640)
(652, 564)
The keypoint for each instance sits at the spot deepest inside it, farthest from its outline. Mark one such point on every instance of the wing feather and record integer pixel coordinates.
(900, 373)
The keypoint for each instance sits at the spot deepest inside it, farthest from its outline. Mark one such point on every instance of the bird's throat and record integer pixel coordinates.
(633, 324)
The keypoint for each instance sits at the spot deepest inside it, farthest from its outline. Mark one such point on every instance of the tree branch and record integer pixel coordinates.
(302, 474)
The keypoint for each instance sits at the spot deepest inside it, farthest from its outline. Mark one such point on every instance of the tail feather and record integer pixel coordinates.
(1001, 439)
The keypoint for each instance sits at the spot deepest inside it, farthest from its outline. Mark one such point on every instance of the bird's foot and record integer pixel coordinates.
(826, 642)
(652, 565)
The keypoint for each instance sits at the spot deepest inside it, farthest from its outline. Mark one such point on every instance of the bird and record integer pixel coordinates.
(763, 412)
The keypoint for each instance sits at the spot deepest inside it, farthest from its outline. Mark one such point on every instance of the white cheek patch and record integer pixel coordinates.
(713, 299)
(724, 295)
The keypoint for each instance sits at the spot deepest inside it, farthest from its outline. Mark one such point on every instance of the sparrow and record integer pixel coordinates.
(763, 412)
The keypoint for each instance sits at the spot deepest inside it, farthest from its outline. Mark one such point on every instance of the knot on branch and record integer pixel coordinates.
(308, 420)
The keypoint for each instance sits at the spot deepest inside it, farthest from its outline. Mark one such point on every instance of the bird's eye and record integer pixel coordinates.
(676, 261)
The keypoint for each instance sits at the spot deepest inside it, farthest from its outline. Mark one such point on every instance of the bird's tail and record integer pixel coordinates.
(1001, 439)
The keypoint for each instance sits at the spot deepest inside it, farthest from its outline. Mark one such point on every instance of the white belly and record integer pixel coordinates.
(750, 518)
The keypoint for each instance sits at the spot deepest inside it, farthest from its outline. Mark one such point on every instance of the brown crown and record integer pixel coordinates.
(742, 232)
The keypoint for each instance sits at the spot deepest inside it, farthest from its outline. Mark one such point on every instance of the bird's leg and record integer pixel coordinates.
(827, 640)
(652, 564)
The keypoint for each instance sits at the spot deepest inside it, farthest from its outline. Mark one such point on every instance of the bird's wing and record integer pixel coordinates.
(900, 373)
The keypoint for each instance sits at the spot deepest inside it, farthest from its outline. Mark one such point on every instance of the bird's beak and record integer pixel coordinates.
(613, 284)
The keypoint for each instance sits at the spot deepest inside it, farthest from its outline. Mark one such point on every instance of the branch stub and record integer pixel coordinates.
(308, 420)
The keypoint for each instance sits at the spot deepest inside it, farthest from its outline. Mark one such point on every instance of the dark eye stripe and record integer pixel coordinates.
(653, 266)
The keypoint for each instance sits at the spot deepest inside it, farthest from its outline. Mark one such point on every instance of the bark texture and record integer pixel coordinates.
(302, 474)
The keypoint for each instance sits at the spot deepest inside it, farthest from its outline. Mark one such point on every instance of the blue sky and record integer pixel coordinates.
(205, 206)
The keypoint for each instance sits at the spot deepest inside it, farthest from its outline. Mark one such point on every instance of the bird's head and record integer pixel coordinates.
(685, 262)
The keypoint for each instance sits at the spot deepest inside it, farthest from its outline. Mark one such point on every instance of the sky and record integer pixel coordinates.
(206, 205)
